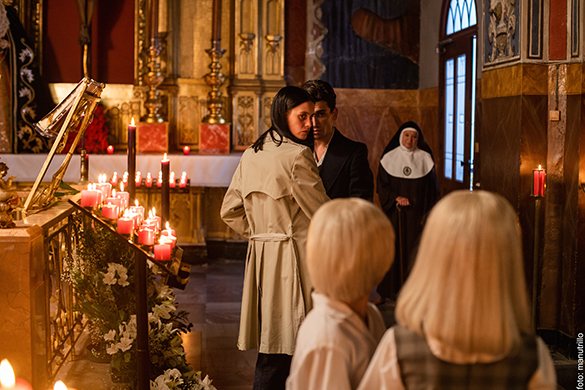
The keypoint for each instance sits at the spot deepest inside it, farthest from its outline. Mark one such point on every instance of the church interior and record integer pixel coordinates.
(496, 86)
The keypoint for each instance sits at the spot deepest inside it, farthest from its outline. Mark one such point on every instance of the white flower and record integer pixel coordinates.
(124, 344)
(163, 310)
(123, 280)
(110, 336)
(112, 349)
(207, 383)
(109, 278)
(159, 383)
(166, 293)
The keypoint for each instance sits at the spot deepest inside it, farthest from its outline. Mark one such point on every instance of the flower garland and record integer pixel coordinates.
(101, 272)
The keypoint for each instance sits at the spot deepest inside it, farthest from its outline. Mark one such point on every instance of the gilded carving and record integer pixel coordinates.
(247, 53)
(189, 118)
(245, 123)
(267, 105)
(501, 29)
(315, 35)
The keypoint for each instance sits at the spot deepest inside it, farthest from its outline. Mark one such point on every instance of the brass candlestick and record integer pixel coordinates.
(215, 79)
(153, 78)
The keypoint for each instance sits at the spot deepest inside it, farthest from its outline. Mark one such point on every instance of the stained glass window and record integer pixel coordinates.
(462, 14)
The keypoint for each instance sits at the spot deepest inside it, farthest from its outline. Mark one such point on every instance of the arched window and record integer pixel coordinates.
(458, 64)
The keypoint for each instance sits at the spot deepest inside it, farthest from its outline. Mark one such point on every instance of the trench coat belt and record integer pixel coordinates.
(270, 237)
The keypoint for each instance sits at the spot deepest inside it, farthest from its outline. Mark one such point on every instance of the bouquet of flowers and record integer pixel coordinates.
(101, 272)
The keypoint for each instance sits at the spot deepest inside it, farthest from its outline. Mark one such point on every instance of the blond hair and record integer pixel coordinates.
(350, 247)
(467, 286)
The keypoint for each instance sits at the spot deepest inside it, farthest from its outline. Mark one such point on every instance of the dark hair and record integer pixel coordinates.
(285, 100)
(321, 90)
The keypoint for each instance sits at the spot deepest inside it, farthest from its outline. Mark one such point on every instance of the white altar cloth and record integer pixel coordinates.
(202, 170)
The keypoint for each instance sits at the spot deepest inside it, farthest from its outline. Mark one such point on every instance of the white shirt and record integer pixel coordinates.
(320, 161)
(384, 372)
(334, 346)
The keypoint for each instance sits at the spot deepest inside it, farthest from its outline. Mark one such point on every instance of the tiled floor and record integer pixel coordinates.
(212, 298)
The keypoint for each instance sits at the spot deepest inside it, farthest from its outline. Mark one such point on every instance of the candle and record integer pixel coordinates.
(149, 224)
(125, 179)
(90, 197)
(125, 224)
(168, 231)
(124, 196)
(172, 180)
(59, 385)
(110, 149)
(105, 188)
(153, 16)
(137, 209)
(165, 201)
(539, 181)
(156, 218)
(114, 200)
(110, 211)
(169, 240)
(138, 179)
(183, 180)
(148, 181)
(216, 21)
(186, 150)
(159, 179)
(114, 179)
(146, 236)
(8, 380)
(162, 251)
(131, 158)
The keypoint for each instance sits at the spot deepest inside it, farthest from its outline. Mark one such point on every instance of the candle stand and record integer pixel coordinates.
(169, 270)
(538, 189)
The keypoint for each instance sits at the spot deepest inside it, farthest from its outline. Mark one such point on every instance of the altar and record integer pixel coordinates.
(194, 211)
(202, 170)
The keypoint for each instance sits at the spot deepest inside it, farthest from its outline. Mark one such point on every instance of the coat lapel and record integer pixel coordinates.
(337, 154)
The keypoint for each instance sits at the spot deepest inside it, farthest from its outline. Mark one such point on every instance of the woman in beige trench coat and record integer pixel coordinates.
(274, 192)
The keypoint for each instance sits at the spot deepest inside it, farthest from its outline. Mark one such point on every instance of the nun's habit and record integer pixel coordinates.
(410, 174)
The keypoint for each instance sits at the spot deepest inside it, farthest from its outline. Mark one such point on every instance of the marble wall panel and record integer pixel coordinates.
(527, 79)
(500, 146)
(17, 335)
(569, 278)
(374, 116)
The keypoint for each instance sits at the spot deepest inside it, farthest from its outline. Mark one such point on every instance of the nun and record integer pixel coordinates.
(407, 189)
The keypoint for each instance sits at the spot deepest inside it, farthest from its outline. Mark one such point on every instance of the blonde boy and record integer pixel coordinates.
(350, 247)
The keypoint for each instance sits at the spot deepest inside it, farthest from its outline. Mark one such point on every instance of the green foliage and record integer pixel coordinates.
(103, 277)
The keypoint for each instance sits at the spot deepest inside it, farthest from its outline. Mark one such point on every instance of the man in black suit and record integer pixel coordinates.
(343, 163)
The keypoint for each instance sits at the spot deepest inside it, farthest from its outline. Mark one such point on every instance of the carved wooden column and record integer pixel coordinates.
(258, 66)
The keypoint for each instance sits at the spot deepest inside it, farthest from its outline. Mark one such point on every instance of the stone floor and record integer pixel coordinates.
(212, 298)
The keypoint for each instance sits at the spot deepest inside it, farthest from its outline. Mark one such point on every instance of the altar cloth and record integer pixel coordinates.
(202, 170)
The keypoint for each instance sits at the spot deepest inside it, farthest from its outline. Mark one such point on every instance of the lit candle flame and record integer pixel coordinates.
(122, 187)
(60, 386)
(165, 157)
(539, 168)
(113, 193)
(7, 378)
(132, 122)
(168, 226)
(136, 202)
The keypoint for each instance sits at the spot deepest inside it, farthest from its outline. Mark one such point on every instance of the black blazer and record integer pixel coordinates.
(345, 171)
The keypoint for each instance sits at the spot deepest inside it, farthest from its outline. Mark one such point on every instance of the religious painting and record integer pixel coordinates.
(502, 34)
(371, 44)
